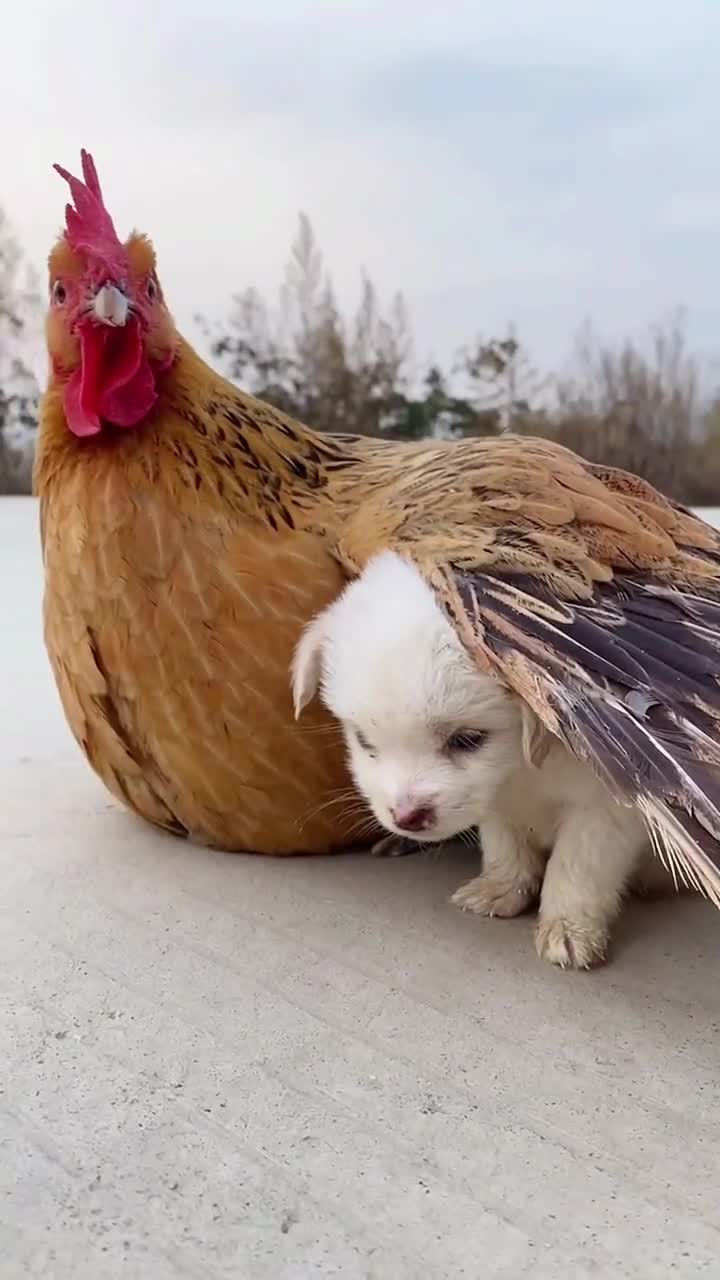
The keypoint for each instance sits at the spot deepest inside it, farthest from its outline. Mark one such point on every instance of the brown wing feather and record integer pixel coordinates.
(598, 602)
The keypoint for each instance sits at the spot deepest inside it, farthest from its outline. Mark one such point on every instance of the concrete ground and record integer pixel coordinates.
(217, 1066)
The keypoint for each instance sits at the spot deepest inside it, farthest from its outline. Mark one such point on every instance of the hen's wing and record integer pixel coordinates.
(628, 681)
(598, 602)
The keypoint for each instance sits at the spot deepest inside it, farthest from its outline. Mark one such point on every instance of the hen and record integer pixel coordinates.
(190, 531)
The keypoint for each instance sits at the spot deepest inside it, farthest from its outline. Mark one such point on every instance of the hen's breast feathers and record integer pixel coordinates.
(597, 601)
(171, 640)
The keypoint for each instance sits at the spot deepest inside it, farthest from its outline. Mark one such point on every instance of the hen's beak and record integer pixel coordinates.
(111, 306)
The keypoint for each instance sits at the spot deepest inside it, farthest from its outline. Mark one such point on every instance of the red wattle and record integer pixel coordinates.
(115, 382)
(80, 421)
(127, 405)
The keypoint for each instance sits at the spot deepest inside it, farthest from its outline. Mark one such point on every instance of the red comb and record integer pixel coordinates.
(89, 227)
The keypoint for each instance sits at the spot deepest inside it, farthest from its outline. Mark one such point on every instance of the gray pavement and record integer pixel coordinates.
(220, 1066)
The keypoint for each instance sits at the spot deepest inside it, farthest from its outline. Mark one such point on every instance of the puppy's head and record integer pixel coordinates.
(430, 738)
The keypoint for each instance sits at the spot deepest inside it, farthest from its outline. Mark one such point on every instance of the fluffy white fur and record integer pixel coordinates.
(391, 668)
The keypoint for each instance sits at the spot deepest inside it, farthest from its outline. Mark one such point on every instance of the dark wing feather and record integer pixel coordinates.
(628, 681)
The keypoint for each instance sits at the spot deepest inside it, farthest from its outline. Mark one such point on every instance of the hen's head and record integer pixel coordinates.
(109, 332)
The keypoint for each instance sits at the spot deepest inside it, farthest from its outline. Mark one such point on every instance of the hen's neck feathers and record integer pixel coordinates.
(204, 437)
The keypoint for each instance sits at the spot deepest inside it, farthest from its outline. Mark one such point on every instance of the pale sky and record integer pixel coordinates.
(527, 161)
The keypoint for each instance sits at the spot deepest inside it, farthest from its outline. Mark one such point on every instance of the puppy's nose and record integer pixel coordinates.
(418, 818)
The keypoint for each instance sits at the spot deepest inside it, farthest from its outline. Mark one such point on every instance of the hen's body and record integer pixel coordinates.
(187, 545)
(182, 561)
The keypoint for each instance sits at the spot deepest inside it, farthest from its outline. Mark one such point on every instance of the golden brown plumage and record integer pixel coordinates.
(184, 555)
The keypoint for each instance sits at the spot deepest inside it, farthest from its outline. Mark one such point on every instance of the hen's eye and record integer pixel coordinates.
(59, 293)
(151, 289)
(466, 740)
(363, 742)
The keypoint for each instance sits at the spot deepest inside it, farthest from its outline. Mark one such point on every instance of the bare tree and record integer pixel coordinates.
(502, 379)
(304, 358)
(634, 407)
(637, 406)
(19, 303)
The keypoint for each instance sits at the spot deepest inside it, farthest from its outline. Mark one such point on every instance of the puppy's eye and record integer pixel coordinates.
(363, 742)
(466, 740)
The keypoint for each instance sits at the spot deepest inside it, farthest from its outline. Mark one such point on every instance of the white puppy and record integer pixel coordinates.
(437, 747)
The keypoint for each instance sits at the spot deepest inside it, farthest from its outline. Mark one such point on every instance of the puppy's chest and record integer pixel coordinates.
(531, 806)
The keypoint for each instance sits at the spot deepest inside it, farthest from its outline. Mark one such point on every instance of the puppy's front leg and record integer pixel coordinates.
(595, 853)
(511, 875)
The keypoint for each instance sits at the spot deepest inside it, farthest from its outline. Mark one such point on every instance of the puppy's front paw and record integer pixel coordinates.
(393, 846)
(504, 898)
(571, 944)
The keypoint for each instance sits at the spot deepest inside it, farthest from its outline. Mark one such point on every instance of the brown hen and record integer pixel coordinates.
(190, 531)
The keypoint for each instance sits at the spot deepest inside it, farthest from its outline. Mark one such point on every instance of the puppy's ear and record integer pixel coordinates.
(535, 737)
(307, 664)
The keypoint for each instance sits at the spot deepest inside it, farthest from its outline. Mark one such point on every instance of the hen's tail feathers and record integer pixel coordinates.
(631, 684)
